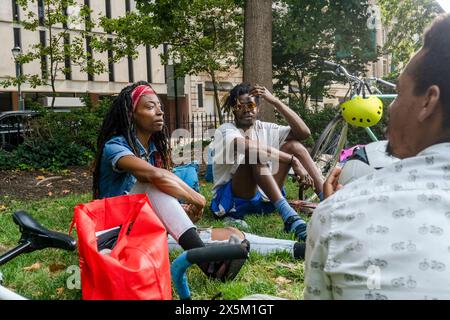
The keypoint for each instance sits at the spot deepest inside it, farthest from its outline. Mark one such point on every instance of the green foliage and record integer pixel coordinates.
(52, 154)
(308, 32)
(408, 20)
(59, 139)
(202, 35)
(315, 120)
(8, 160)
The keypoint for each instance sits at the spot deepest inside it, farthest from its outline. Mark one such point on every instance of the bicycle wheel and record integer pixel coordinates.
(327, 149)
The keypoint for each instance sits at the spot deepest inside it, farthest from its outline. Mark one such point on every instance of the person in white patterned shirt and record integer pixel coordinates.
(387, 235)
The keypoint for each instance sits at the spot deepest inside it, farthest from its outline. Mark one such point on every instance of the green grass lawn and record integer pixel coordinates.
(44, 274)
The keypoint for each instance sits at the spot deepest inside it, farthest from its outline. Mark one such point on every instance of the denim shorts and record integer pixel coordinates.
(225, 203)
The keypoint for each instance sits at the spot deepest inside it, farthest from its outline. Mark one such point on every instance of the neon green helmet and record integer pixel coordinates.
(361, 112)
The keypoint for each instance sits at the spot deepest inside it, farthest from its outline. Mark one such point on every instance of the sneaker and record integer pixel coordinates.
(299, 230)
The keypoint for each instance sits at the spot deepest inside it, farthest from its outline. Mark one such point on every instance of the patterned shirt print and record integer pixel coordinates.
(385, 235)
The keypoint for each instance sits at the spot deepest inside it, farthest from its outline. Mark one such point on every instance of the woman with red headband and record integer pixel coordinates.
(134, 157)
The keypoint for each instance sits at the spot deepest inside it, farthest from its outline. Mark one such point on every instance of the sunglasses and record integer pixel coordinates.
(249, 105)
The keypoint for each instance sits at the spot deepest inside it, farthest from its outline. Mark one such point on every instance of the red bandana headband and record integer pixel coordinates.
(138, 92)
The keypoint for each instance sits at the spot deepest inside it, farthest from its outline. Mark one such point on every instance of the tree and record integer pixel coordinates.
(408, 19)
(202, 35)
(258, 49)
(310, 31)
(60, 51)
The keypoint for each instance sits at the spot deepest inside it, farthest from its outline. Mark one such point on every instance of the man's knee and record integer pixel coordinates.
(294, 147)
(261, 169)
(221, 234)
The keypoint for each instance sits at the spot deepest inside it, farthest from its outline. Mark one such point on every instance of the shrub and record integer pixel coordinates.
(8, 160)
(59, 139)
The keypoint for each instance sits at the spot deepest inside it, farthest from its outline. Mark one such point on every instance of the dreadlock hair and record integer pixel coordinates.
(232, 98)
(119, 121)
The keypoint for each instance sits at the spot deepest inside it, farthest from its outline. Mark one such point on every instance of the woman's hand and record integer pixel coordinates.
(332, 185)
(194, 209)
(197, 200)
(193, 212)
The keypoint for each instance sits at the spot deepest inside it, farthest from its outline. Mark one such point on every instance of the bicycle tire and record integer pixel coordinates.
(327, 149)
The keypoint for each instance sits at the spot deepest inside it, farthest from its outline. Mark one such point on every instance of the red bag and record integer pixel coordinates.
(138, 266)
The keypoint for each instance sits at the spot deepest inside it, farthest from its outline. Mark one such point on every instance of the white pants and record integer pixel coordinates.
(262, 245)
(167, 208)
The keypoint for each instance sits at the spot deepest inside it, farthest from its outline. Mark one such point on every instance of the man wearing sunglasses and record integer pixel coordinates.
(252, 159)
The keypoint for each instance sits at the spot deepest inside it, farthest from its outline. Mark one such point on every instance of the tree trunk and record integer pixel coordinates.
(216, 96)
(258, 50)
(54, 94)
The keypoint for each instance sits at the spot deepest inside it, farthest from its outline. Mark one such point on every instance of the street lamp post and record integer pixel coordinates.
(16, 52)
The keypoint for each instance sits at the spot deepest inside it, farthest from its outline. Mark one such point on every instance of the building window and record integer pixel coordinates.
(127, 6)
(385, 67)
(165, 50)
(317, 100)
(89, 56)
(200, 95)
(108, 11)
(5, 101)
(110, 63)
(66, 16)
(221, 86)
(108, 8)
(130, 69)
(15, 11)
(44, 63)
(87, 21)
(67, 66)
(149, 63)
(18, 43)
(41, 12)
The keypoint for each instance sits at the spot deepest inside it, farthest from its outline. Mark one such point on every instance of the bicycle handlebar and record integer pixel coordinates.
(198, 255)
(332, 64)
(386, 83)
(341, 70)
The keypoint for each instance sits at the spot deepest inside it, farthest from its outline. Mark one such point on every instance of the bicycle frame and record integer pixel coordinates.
(6, 294)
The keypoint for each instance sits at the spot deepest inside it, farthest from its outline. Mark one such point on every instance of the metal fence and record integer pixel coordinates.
(198, 127)
(13, 125)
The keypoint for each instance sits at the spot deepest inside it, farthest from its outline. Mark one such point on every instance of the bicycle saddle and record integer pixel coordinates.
(40, 237)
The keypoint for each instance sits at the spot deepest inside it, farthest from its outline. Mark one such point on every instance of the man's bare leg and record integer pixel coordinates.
(249, 176)
(244, 185)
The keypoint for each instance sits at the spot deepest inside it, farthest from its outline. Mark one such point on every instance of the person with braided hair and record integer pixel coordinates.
(134, 157)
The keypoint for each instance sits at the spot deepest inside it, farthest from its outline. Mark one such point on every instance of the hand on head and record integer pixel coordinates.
(263, 92)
